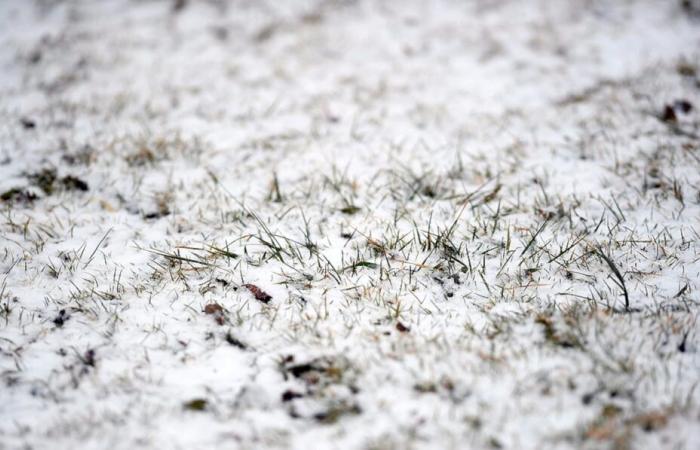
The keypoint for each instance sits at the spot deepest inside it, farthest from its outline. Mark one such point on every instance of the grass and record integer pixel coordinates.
(241, 256)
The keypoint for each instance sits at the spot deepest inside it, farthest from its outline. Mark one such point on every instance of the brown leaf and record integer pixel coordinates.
(16, 195)
(601, 432)
(217, 311)
(289, 395)
(258, 293)
(197, 404)
(72, 183)
(669, 114)
(402, 328)
(213, 308)
(652, 421)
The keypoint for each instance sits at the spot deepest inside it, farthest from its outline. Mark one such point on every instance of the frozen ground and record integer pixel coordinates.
(478, 223)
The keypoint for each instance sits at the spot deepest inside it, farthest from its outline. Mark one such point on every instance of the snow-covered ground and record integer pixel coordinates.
(349, 224)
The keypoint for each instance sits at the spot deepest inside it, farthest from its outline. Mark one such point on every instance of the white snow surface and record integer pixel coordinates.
(448, 202)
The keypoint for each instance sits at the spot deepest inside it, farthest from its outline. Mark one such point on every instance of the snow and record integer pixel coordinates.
(436, 195)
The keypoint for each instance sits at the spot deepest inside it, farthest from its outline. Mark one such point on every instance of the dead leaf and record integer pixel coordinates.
(213, 308)
(258, 293)
(197, 404)
(402, 328)
(652, 421)
(216, 310)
